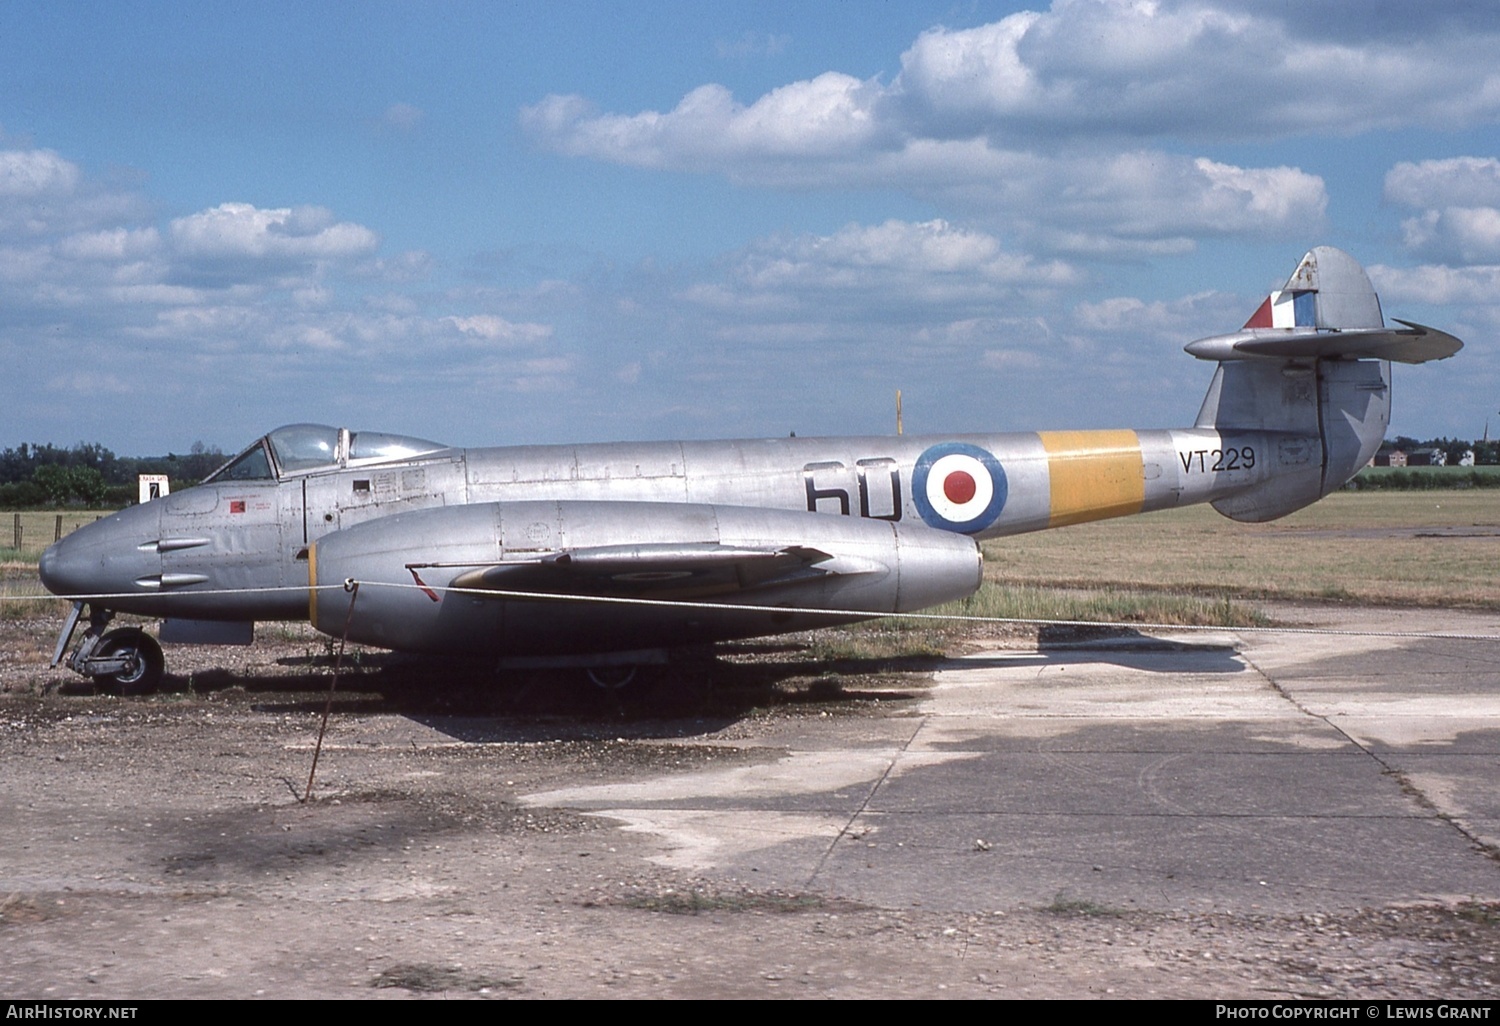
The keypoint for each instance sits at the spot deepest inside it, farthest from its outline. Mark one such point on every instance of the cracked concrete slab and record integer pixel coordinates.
(1256, 771)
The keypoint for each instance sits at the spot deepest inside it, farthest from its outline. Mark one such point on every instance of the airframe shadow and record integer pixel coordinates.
(699, 691)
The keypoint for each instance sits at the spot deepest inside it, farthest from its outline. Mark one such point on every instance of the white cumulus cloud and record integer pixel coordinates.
(30, 173)
(1457, 181)
(1065, 126)
(1460, 197)
(491, 328)
(240, 230)
(876, 270)
(111, 244)
(1166, 68)
(1191, 69)
(823, 117)
(1438, 284)
(1461, 235)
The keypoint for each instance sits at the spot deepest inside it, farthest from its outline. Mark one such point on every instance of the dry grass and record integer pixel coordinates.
(1112, 605)
(40, 529)
(1405, 548)
(894, 637)
(22, 595)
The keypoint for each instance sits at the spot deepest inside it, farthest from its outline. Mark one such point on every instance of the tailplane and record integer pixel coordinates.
(1327, 310)
(1312, 366)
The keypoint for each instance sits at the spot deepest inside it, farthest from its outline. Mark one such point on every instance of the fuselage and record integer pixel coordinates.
(248, 541)
(603, 548)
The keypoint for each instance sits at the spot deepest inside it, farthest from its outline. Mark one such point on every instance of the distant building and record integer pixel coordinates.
(1389, 458)
(1427, 458)
(1467, 459)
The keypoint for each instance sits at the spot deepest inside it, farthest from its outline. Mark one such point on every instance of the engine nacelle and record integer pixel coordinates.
(777, 560)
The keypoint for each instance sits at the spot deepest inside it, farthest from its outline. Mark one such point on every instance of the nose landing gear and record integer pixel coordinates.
(124, 661)
(138, 657)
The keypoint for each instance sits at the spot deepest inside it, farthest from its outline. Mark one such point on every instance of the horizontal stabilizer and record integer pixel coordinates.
(1415, 343)
(1327, 310)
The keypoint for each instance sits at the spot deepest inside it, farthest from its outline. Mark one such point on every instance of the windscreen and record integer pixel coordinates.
(250, 465)
(298, 448)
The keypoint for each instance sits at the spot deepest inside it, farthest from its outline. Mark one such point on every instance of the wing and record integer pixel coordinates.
(692, 570)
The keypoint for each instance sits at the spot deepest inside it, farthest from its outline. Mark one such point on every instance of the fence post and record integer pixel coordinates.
(18, 532)
(57, 534)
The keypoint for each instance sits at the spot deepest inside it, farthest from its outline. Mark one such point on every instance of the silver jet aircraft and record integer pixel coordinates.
(607, 554)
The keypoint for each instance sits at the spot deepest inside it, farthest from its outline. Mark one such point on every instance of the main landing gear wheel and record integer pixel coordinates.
(143, 667)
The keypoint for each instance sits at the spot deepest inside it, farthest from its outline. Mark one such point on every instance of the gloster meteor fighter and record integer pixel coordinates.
(608, 554)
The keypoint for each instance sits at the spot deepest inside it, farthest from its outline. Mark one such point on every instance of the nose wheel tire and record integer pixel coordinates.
(144, 663)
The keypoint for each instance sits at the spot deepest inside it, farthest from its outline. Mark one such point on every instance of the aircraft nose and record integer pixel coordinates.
(70, 566)
(103, 558)
(53, 569)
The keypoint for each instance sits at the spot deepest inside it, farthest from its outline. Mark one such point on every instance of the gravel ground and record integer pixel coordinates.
(158, 847)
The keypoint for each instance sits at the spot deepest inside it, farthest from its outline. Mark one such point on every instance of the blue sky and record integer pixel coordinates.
(489, 223)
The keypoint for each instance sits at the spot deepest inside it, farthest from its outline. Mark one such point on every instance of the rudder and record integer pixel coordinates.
(1312, 366)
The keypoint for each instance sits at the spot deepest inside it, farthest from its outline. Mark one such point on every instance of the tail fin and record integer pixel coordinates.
(1313, 365)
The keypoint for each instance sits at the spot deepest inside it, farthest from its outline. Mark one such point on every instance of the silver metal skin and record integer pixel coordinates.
(863, 525)
(658, 551)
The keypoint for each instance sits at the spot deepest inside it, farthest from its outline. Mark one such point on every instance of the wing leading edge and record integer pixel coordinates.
(668, 570)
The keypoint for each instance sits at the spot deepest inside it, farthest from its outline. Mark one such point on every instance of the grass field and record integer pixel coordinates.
(1403, 548)
(19, 587)
(39, 529)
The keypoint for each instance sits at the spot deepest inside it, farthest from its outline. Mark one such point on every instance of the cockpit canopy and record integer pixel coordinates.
(303, 448)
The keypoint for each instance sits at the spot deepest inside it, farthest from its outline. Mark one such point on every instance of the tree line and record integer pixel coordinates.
(50, 477)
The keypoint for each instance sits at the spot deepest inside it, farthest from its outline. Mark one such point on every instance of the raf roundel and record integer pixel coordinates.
(958, 487)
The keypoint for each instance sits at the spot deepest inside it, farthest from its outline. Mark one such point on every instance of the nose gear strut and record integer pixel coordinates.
(124, 661)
